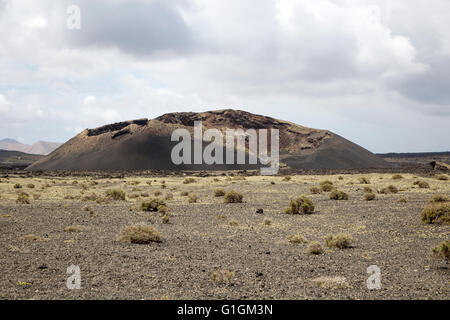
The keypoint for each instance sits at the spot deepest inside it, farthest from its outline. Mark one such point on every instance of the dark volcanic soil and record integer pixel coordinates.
(199, 239)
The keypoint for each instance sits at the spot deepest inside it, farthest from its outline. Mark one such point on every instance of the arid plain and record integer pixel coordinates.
(205, 248)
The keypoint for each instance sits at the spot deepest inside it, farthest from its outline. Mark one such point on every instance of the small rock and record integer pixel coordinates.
(260, 211)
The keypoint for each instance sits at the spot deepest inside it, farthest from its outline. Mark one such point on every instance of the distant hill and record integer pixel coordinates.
(40, 147)
(16, 159)
(146, 145)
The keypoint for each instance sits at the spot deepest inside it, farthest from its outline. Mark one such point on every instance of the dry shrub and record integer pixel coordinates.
(326, 185)
(314, 247)
(30, 186)
(219, 193)
(328, 282)
(36, 196)
(157, 193)
(368, 196)
(439, 198)
(23, 198)
(442, 177)
(397, 177)
(72, 229)
(140, 234)
(92, 197)
(233, 197)
(184, 194)
(436, 213)
(364, 180)
(389, 189)
(442, 251)
(154, 205)
(192, 198)
(341, 241)
(165, 219)
(402, 200)
(297, 238)
(367, 189)
(115, 194)
(338, 195)
(300, 205)
(17, 186)
(169, 196)
(32, 237)
(314, 190)
(287, 178)
(222, 276)
(267, 222)
(422, 184)
(188, 180)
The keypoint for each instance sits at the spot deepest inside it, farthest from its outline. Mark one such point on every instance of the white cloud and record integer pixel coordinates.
(312, 61)
(4, 104)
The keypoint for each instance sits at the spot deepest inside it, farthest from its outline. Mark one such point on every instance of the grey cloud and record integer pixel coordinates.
(141, 28)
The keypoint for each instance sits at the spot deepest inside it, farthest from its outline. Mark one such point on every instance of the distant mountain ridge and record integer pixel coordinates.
(40, 147)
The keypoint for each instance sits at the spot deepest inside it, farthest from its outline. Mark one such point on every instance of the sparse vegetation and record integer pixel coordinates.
(267, 222)
(169, 196)
(17, 186)
(442, 177)
(314, 248)
(287, 178)
(300, 205)
(233, 197)
(329, 282)
(30, 186)
(157, 193)
(397, 177)
(115, 194)
(338, 195)
(139, 234)
(184, 194)
(341, 241)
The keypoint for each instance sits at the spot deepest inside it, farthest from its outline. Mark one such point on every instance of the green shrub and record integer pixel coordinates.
(300, 205)
(438, 213)
(233, 197)
(338, 195)
(140, 234)
(341, 241)
(442, 251)
(154, 205)
(115, 194)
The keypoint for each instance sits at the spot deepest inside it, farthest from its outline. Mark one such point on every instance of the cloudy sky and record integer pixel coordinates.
(375, 72)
